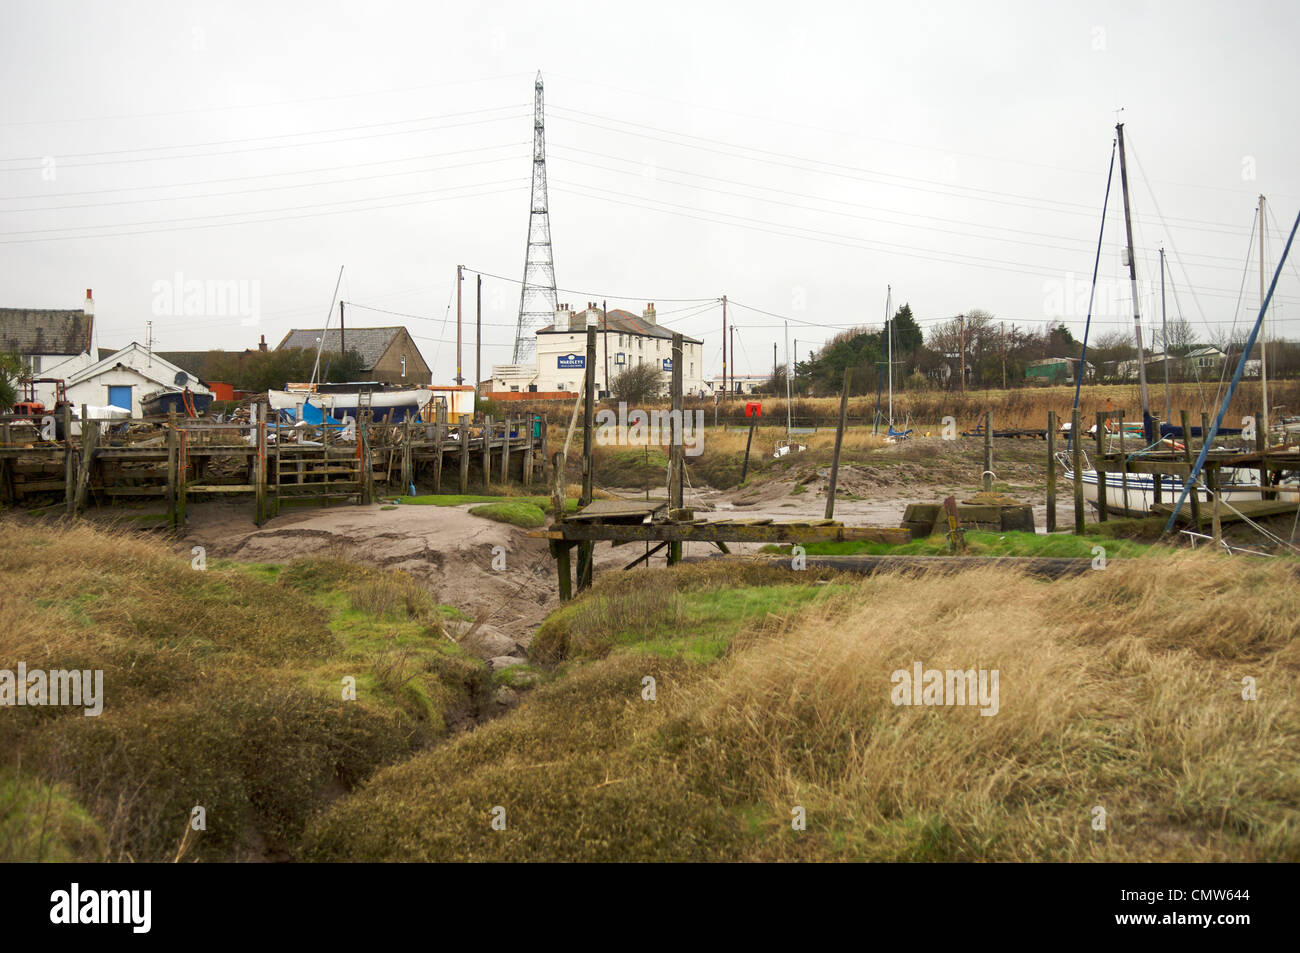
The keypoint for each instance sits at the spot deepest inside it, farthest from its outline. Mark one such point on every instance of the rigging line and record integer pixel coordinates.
(853, 242)
(1172, 245)
(165, 221)
(806, 160)
(249, 178)
(271, 188)
(1196, 371)
(1096, 264)
(1236, 311)
(597, 294)
(285, 145)
(282, 135)
(266, 105)
(768, 188)
(865, 218)
(837, 132)
(1208, 439)
(417, 317)
(802, 164)
(1277, 231)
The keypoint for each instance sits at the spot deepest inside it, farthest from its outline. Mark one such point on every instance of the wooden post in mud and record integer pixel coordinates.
(408, 477)
(437, 458)
(1100, 466)
(69, 493)
(1157, 479)
(365, 468)
(463, 432)
(839, 440)
(587, 548)
(561, 550)
(171, 467)
(1123, 460)
(588, 418)
(1212, 481)
(1076, 459)
(505, 451)
(1051, 471)
(259, 463)
(89, 440)
(744, 467)
(487, 452)
(676, 459)
(1194, 496)
(988, 452)
(527, 473)
(546, 459)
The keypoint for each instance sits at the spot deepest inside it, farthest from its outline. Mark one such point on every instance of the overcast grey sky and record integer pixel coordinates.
(798, 158)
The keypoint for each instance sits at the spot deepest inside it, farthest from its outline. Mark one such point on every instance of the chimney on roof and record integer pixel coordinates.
(649, 313)
(563, 318)
(261, 345)
(593, 315)
(89, 306)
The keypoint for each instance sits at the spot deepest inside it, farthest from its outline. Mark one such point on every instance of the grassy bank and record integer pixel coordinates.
(223, 690)
(1116, 691)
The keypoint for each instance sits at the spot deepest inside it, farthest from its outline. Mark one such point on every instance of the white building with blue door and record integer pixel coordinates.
(125, 376)
(623, 340)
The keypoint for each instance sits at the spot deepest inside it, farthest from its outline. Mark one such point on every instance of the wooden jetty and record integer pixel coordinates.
(178, 459)
(666, 524)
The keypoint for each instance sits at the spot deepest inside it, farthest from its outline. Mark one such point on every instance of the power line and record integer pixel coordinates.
(266, 105)
(229, 152)
(592, 294)
(246, 178)
(260, 221)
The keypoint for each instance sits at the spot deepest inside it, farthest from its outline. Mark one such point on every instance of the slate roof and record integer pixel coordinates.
(370, 343)
(31, 331)
(624, 322)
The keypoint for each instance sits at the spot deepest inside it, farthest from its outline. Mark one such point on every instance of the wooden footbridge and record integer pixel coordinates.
(177, 459)
(666, 524)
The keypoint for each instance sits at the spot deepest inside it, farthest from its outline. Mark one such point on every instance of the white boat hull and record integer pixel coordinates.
(1135, 495)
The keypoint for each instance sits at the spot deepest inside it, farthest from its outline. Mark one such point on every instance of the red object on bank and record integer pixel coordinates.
(753, 409)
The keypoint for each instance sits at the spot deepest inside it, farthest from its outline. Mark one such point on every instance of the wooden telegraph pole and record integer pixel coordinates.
(460, 378)
(677, 455)
(839, 439)
(961, 347)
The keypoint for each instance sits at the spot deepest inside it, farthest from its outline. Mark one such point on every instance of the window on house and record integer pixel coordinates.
(403, 365)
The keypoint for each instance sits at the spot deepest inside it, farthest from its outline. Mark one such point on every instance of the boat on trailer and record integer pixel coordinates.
(389, 406)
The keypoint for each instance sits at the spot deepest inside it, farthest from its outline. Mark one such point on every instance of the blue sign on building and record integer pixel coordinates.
(571, 360)
(668, 363)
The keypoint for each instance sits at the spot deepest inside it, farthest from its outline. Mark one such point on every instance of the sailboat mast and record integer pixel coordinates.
(1132, 277)
(1263, 339)
(889, 348)
(1164, 337)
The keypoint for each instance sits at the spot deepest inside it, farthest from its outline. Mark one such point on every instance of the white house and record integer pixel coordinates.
(52, 343)
(623, 340)
(122, 378)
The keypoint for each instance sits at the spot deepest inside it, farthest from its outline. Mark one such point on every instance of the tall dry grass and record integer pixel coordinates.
(1116, 691)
